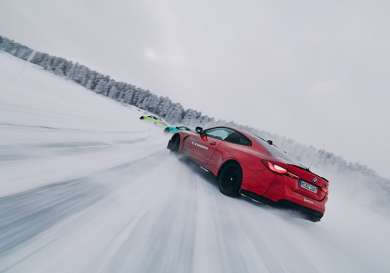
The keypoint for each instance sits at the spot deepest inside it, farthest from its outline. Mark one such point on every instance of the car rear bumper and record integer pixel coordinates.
(304, 201)
(309, 213)
(284, 189)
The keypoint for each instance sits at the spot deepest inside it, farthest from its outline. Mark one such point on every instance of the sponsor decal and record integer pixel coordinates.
(315, 180)
(199, 145)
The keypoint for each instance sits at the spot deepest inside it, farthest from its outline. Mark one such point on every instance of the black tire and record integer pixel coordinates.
(314, 216)
(174, 144)
(229, 179)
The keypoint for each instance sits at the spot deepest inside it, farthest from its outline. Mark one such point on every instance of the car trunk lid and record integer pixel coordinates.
(305, 175)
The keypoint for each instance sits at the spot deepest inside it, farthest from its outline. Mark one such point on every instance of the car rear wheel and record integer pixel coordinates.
(174, 144)
(314, 216)
(229, 179)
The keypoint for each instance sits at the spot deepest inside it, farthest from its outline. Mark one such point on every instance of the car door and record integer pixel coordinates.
(188, 147)
(208, 142)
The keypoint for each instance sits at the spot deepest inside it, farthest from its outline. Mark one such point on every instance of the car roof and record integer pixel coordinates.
(274, 150)
(243, 132)
(251, 136)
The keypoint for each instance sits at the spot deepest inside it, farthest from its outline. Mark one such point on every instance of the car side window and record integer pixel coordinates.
(238, 138)
(218, 133)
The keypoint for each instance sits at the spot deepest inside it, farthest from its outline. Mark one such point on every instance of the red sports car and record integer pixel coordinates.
(250, 165)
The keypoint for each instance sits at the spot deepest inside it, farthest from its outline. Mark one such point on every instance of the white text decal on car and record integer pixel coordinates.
(200, 145)
(308, 200)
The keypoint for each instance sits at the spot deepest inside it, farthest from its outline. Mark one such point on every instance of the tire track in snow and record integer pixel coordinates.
(163, 240)
(274, 260)
(219, 243)
(25, 215)
(27, 151)
(45, 127)
(232, 234)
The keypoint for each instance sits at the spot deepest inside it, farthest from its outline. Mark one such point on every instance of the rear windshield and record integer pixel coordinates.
(279, 154)
(274, 151)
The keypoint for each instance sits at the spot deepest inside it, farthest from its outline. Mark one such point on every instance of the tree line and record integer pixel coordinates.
(172, 112)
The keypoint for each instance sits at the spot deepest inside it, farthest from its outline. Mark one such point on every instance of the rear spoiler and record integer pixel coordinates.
(307, 169)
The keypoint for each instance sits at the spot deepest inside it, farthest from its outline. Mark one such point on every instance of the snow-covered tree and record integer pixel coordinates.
(175, 113)
(102, 86)
(113, 92)
(3, 41)
(191, 117)
(39, 58)
(163, 106)
(128, 92)
(91, 80)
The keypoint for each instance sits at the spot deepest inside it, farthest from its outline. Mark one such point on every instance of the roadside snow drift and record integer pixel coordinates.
(85, 186)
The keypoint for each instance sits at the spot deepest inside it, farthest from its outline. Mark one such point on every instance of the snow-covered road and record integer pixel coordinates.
(87, 187)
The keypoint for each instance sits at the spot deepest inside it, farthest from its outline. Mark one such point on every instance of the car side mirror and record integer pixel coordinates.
(199, 130)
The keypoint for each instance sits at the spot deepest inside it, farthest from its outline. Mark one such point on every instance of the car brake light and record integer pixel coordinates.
(276, 168)
(279, 169)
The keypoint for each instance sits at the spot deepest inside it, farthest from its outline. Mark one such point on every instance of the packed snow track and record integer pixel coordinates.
(87, 187)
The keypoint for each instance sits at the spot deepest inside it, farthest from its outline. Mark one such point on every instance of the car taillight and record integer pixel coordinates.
(276, 168)
(279, 169)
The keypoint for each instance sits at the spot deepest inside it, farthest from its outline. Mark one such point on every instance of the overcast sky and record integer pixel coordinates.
(315, 71)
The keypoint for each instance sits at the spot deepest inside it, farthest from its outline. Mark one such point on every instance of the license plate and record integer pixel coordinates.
(308, 186)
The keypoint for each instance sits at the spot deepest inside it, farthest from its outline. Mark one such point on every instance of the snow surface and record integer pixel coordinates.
(85, 186)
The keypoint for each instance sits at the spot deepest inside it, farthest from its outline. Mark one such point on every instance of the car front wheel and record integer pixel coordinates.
(174, 144)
